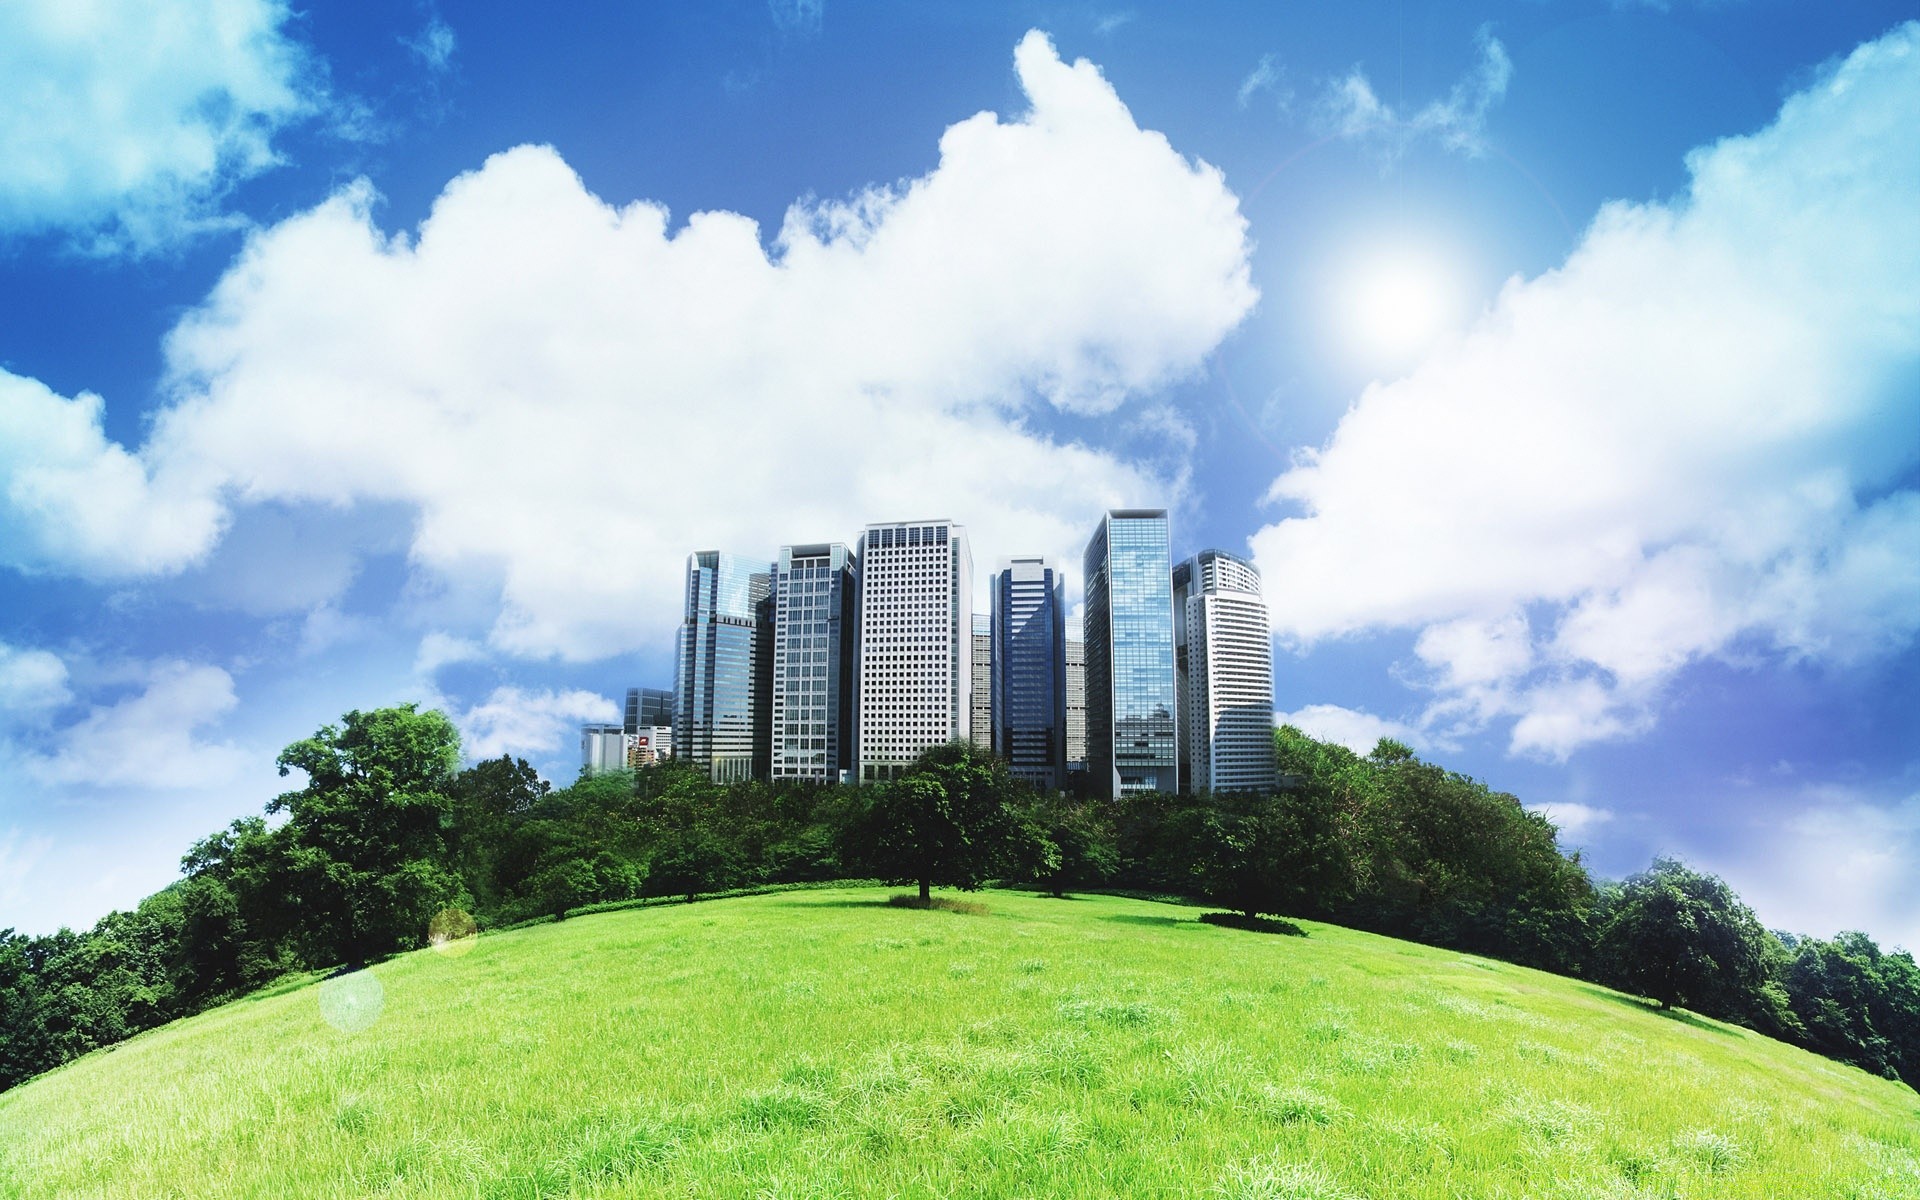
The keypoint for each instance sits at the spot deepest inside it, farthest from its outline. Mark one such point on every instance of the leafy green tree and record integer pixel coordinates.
(368, 862)
(1680, 937)
(951, 818)
(1071, 843)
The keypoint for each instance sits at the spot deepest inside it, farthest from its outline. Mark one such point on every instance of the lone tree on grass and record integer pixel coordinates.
(950, 819)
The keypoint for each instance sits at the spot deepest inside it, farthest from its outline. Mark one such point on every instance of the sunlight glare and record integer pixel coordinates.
(1395, 302)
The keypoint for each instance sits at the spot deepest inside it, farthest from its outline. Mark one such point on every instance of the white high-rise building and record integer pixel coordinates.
(916, 642)
(982, 719)
(603, 747)
(1223, 657)
(1076, 705)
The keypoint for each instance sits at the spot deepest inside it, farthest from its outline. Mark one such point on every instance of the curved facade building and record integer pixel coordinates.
(1224, 657)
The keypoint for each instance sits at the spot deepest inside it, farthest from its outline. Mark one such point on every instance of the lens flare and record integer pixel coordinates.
(352, 1002)
(1397, 301)
(452, 932)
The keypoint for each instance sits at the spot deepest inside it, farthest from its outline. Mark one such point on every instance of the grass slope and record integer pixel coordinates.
(819, 1044)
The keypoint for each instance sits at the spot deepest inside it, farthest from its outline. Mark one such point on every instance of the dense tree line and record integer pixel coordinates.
(388, 832)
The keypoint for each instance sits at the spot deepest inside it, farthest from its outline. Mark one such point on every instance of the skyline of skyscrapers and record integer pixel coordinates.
(1223, 657)
(1029, 671)
(916, 643)
(833, 664)
(1131, 701)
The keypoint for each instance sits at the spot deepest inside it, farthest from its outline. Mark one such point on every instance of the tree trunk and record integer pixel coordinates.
(926, 893)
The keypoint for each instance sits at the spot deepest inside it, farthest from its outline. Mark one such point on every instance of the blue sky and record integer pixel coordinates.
(1558, 361)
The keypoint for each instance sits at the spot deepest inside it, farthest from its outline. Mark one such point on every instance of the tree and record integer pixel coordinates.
(949, 819)
(1680, 937)
(1071, 843)
(367, 856)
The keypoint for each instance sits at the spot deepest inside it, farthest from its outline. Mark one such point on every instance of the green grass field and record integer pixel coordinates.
(821, 1044)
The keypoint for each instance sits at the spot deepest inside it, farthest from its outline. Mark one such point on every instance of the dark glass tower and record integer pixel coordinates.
(814, 640)
(1030, 672)
(1131, 700)
(723, 668)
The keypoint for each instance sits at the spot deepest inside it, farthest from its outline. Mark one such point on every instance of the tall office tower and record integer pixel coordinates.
(648, 707)
(916, 643)
(981, 721)
(814, 639)
(1076, 706)
(1131, 703)
(602, 748)
(1030, 672)
(723, 666)
(1223, 657)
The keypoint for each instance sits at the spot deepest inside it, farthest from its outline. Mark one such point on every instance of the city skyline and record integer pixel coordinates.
(1552, 363)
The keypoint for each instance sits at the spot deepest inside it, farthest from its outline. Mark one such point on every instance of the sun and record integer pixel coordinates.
(1394, 301)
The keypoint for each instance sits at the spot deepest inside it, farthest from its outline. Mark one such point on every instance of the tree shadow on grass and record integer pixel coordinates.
(1680, 1015)
(832, 904)
(1253, 924)
(1141, 919)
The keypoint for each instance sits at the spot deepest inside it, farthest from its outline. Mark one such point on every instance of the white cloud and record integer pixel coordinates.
(1349, 107)
(31, 681)
(434, 45)
(123, 121)
(71, 499)
(1267, 76)
(573, 398)
(1574, 820)
(1357, 731)
(515, 721)
(148, 740)
(439, 649)
(1837, 860)
(1687, 441)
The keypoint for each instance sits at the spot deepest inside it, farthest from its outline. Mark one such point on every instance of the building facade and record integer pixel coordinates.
(603, 747)
(1128, 631)
(1076, 673)
(1030, 672)
(814, 642)
(982, 682)
(723, 669)
(915, 674)
(648, 745)
(1223, 655)
(647, 708)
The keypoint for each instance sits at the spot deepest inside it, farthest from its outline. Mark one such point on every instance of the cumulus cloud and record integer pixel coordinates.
(1694, 438)
(70, 499)
(1358, 731)
(123, 122)
(515, 721)
(1349, 108)
(150, 739)
(31, 681)
(573, 396)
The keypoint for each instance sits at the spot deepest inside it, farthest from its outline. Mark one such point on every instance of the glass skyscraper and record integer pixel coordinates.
(723, 669)
(1029, 672)
(1131, 695)
(813, 653)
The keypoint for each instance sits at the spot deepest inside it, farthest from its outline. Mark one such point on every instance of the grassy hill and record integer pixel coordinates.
(821, 1044)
